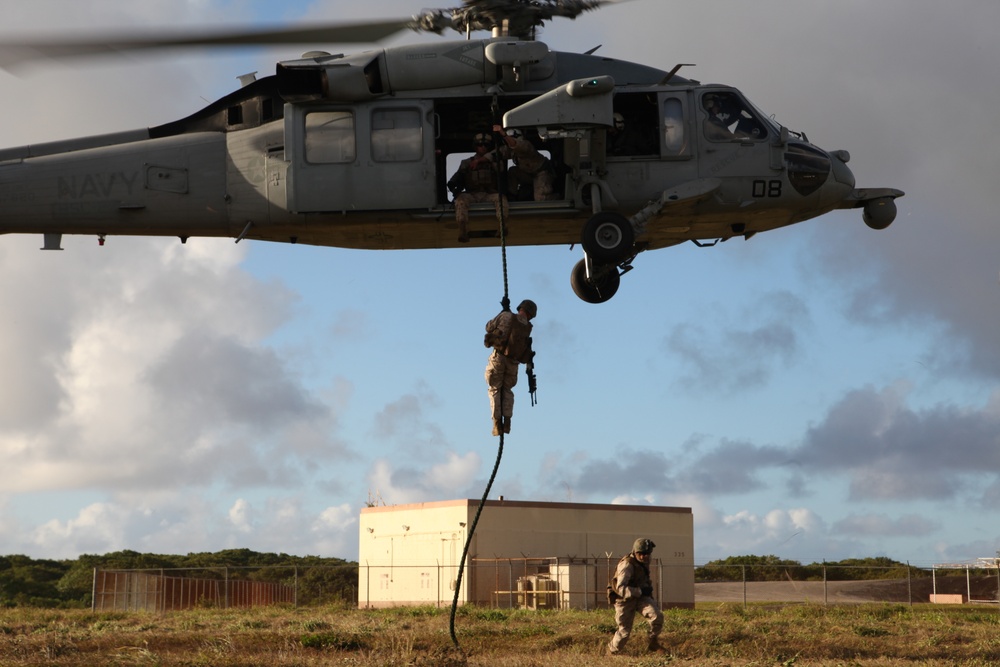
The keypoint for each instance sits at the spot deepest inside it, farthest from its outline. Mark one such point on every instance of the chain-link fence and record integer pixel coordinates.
(847, 584)
(171, 589)
(536, 583)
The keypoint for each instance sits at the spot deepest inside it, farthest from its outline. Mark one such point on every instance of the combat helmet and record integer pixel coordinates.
(643, 545)
(529, 307)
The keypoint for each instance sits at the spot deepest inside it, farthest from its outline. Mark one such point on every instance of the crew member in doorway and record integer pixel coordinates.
(532, 173)
(509, 334)
(631, 591)
(476, 181)
(624, 138)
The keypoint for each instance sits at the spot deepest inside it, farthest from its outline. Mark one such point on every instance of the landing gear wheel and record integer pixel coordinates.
(604, 285)
(608, 237)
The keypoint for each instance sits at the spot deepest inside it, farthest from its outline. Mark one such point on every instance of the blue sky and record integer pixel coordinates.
(818, 392)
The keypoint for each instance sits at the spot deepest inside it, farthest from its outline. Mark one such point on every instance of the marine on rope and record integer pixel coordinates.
(509, 334)
(502, 402)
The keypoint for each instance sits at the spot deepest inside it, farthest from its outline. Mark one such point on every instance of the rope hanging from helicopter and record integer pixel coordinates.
(505, 303)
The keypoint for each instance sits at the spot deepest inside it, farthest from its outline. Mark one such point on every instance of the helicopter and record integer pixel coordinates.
(353, 150)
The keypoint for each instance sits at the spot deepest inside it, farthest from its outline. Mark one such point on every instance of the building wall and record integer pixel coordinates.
(409, 554)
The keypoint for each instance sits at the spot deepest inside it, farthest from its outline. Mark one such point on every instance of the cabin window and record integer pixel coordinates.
(674, 137)
(330, 137)
(728, 118)
(397, 135)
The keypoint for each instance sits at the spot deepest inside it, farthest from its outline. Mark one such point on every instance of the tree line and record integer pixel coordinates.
(40, 582)
(772, 568)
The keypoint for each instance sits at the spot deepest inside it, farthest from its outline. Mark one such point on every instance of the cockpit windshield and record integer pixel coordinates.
(729, 117)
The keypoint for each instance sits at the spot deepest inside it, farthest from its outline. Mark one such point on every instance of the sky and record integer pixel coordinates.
(819, 392)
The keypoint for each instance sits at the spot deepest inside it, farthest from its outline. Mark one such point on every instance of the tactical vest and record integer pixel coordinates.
(640, 579)
(481, 179)
(518, 341)
(515, 343)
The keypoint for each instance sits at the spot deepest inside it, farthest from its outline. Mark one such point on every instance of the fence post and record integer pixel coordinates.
(659, 582)
(295, 590)
(510, 585)
(826, 599)
(909, 584)
(744, 569)
(93, 593)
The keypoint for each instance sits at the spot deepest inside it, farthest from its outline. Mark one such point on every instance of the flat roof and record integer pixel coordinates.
(526, 504)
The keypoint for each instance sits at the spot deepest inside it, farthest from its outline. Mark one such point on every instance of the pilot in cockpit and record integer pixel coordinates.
(718, 121)
(729, 118)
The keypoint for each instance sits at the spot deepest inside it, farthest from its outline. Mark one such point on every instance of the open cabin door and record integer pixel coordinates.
(375, 156)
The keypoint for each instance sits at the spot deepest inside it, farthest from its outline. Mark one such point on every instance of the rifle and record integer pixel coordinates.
(529, 367)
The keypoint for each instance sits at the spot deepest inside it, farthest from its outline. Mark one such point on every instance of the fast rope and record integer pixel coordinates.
(505, 302)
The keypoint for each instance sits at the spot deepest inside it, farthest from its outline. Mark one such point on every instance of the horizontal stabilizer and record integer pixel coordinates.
(861, 196)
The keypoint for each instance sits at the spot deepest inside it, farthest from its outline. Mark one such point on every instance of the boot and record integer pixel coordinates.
(463, 236)
(497, 426)
(654, 643)
(506, 424)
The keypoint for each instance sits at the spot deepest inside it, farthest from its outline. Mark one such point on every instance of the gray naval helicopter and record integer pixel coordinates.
(352, 151)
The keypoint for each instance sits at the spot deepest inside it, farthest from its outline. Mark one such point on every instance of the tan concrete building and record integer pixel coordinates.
(523, 554)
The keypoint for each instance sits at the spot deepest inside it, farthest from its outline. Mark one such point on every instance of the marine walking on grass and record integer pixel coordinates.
(631, 591)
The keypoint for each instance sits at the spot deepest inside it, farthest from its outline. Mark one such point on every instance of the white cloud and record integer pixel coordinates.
(241, 515)
(399, 485)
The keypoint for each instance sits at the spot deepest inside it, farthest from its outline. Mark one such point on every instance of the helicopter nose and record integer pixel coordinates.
(842, 183)
(808, 168)
(841, 172)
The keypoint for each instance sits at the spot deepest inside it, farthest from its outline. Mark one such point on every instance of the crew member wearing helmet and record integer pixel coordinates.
(625, 139)
(632, 590)
(509, 335)
(476, 181)
(532, 177)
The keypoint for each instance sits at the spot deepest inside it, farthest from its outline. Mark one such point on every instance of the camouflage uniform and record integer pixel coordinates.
(530, 168)
(508, 334)
(633, 586)
(475, 181)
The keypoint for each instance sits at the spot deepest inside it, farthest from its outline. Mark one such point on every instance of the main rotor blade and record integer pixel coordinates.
(17, 52)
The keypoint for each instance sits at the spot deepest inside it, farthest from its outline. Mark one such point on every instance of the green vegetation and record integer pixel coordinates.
(874, 635)
(28, 582)
(772, 568)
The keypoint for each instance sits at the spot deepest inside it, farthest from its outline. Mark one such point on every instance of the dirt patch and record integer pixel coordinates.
(847, 592)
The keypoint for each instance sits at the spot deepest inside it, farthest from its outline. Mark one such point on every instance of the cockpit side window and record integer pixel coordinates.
(728, 118)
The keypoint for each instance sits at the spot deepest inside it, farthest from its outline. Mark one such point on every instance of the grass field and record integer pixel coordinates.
(882, 635)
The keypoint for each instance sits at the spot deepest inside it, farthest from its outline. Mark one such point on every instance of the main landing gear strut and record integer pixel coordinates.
(608, 243)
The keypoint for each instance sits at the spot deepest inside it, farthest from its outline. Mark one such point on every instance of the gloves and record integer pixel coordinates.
(647, 591)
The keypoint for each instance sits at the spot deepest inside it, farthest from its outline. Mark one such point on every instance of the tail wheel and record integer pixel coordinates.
(601, 286)
(608, 237)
